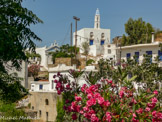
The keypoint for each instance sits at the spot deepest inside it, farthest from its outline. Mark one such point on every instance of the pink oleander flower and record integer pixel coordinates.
(109, 81)
(147, 109)
(113, 85)
(155, 92)
(159, 115)
(68, 86)
(151, 105)
(87, 115)
(134, 115)
(77, 98)
(154, 100)
(121, 94)
(58, 92)
(133, 119)
(139, 111)
(58, 85)
(133, 101)
(92, 111)
(90, 95)
(97, 95)
(88, 91)
(81, 112)
(100, 100)
(85, 108)
(92, 88)
(83, 87)
(108, 116)
(74, 116)
(55, 81)
(123, 88)
(94, 118)
(106, 103)
(91, 102)
(154, 114)
(75, 107)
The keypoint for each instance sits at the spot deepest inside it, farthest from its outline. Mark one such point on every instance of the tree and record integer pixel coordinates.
(138, 32)
(11, 89)
(64, 52)
(15, 33)
(85, 48)
(15, 37)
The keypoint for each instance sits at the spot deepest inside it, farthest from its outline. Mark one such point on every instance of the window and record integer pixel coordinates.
(160, 55)
(40, 113)
(149, 53)
(91, 42)
(40, 87)
(46, 102)
(102, 42)
(109, 45)
(109, 51)
(91, 34)
(46, 116)
(32, 107)
(102, 35)
(128, 56)
(137, 56)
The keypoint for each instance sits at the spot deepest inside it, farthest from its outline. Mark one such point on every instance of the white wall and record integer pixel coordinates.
(84, 35)
(142, 50)
(112, 55)
(35, 86)
(42, 52)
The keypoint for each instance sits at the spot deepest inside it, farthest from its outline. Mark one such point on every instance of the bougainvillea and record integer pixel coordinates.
(105, 101)
(33, 70)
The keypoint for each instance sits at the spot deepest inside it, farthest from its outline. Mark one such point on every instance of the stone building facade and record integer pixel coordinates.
(44, 104)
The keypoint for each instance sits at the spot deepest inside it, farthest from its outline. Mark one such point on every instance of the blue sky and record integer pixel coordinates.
(58, 14)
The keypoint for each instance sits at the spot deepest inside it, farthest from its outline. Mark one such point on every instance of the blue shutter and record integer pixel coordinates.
(40, 86)
(102, 42)
(91, 42)
(149, 53)
(128, 56)
(160, 55)
(137, 56)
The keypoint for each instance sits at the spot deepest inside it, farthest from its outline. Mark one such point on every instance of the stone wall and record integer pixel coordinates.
(67, 61)
(38, 103)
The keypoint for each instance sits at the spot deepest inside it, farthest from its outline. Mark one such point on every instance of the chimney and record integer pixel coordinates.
(152, 37)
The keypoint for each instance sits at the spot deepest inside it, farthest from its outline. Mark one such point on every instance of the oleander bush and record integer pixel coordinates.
(110, 95)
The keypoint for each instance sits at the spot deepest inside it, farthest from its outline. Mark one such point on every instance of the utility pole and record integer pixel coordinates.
(76, 19)
(71, 40)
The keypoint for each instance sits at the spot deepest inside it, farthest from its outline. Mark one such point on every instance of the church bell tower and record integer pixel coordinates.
(97, 19)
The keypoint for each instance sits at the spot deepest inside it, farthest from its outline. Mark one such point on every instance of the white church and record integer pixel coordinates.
(97, 38)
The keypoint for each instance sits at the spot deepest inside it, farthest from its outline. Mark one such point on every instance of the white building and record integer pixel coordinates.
(45, 57)
(96, 37)
(46, 86)
(139, 50)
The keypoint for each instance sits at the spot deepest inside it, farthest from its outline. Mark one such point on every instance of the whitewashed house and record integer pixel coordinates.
(46, 86)
(140, 50)
(46, 58)
(97, 38)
